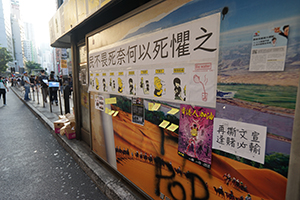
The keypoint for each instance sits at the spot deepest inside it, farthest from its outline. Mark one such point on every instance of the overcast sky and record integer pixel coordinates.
(39, 13)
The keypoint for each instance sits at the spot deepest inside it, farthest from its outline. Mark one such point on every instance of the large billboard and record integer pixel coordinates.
(190, 119)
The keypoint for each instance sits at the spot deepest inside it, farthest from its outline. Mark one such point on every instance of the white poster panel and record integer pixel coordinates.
(269, 49)
(99, 102)
(131, 80)
(192, 41)
(113, 78)
(241, 139)
(145, 83)
(192, 46)
(121, 81)
(161, 78)
(92, 81)
(179, 83)
(202, 87)
(65, 71)
(104, 81)
(83, 77)
(97, 80)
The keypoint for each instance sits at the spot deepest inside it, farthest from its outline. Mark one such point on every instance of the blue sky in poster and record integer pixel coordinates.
(242, 20)
(248, 13)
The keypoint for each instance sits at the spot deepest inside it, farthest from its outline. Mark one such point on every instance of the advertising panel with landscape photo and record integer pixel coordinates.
(168, 151)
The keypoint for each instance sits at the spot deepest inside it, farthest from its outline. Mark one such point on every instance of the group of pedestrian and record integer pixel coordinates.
(34, 82)
(43, 80)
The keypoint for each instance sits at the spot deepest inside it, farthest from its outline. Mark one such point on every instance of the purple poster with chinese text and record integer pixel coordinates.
(195, 134)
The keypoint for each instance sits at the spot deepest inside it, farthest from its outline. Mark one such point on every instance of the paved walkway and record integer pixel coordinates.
(33, 164)
(44, 108)
(105, 180)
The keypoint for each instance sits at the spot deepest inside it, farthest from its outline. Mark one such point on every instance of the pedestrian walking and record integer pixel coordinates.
(53, 90)
(27, 85)
(32, 81)
(12, 81)
(43, 80)
(3, 89)
(36, 82)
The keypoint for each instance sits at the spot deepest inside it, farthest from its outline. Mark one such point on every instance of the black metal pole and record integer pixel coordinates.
(66, 99)
(37, 94)
(43, 93)
(33, 93)
(50, 103)
(60, 107)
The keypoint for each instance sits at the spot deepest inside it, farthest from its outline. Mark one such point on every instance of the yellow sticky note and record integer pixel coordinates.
(107, 110)
(156, 107)
(111, 112)
(150, 106)
(164, 124)
(115, 114)
(173, 111)
(172, 127)
(111, 100)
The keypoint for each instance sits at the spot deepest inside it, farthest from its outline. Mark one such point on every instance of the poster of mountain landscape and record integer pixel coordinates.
(148, 155)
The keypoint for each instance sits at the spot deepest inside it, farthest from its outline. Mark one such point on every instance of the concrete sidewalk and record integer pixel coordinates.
(106, 179)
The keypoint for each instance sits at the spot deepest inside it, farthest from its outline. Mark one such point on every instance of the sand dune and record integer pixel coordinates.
(261, 183)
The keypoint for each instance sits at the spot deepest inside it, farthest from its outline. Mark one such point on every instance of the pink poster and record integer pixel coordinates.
(195, 134)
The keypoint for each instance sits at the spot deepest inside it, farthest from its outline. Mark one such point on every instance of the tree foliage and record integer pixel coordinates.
(30, 65)
(277, 162)
(5, 57)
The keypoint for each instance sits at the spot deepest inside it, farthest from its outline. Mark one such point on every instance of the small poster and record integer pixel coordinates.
(144, 83)
(138, 111)
(99, 102)
(269, 49)
(104, 81)
(195, 134)
(92, 82)
(112, 82)
(97, 81)
(121, 82)
(132, 82)
(83, 76)
(241, 139)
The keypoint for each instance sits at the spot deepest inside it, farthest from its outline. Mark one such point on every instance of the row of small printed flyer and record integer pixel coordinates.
(65, 125)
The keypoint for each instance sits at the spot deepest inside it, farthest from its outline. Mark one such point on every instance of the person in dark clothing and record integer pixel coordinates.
(53, 91)
(32, 81)
(12, 81)
(43, 80)
(3, 89)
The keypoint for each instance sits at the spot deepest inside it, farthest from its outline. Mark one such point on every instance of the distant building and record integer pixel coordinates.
(30, 49)
(18, 36)
(19, 39)
(45, 57)
(5, 28)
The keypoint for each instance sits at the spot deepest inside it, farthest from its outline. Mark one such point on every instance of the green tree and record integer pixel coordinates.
(5, 57)
(278, 162)
(30, 65)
